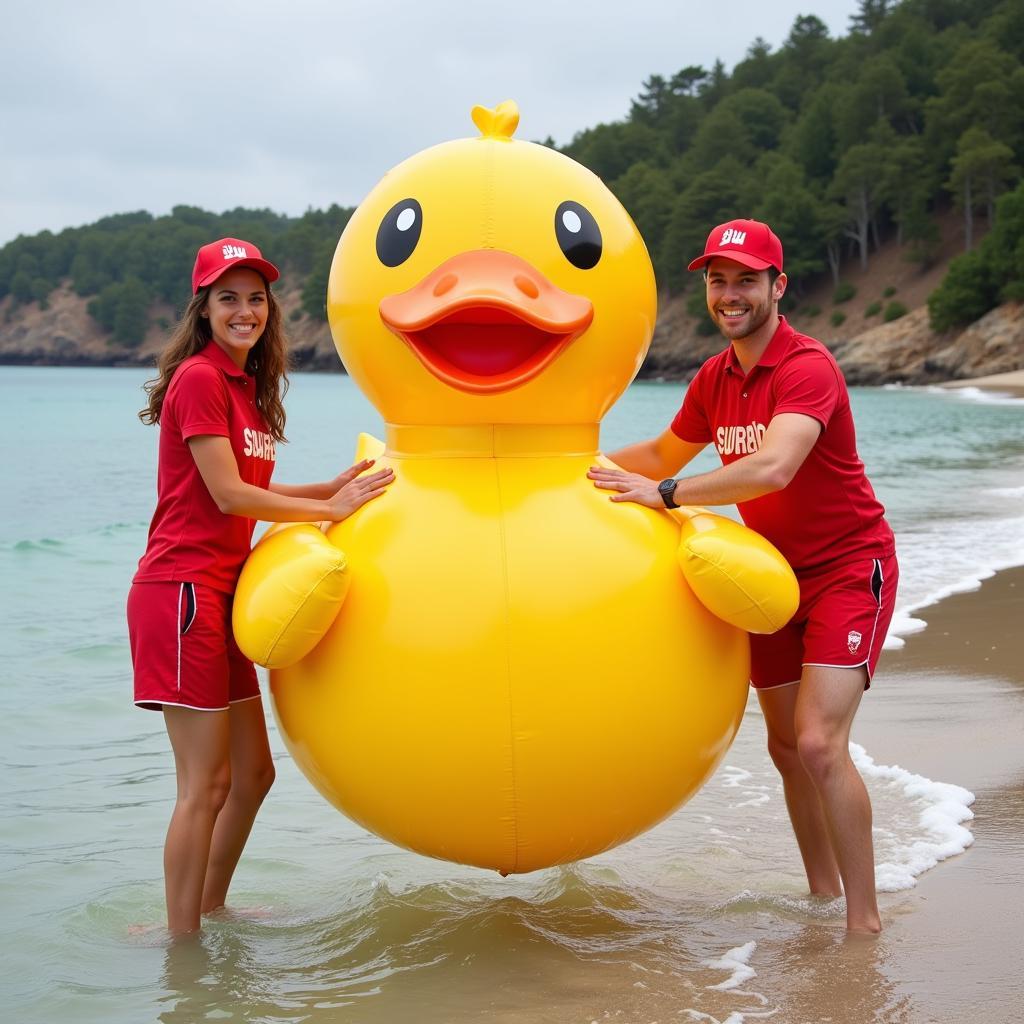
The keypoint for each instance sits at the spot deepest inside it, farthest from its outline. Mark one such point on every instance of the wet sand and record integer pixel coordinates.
(950, 706)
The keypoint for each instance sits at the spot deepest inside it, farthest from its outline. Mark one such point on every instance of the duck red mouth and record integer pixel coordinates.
(486, 321)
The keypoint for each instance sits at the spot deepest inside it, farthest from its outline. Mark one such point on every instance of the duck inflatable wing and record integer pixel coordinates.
(493, 663)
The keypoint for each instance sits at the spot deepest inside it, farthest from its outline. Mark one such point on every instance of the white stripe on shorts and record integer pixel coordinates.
(177, 627)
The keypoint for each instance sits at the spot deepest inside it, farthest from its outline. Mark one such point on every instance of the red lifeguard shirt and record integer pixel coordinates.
(190, 539)
(828, 512)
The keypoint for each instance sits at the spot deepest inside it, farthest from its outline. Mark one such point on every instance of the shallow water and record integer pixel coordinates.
(703, 918)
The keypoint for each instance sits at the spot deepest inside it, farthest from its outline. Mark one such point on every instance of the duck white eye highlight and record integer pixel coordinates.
(406, 219)
(572, 222)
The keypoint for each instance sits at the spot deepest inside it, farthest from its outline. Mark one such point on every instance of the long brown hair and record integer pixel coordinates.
(267, 361)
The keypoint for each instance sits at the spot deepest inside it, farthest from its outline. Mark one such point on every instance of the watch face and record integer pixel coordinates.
(667, 489)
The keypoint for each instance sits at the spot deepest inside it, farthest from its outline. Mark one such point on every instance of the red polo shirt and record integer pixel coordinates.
(190, 539)
(828, 512)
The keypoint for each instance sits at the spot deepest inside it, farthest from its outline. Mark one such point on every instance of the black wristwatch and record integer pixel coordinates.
(667, 490)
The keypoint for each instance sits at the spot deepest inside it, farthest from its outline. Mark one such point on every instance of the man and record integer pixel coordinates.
(775, 405)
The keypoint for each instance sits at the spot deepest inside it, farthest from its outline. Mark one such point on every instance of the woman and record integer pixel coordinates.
(217, 399)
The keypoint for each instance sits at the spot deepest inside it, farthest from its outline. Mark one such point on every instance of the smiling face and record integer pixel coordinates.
(742, 301)
(236, 307)
(491, 281)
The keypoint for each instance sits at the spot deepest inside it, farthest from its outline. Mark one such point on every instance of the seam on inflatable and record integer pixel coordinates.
(312, 590)
(508, 668)
(715, 565)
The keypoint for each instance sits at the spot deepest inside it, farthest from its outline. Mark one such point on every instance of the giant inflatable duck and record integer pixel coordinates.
(492, 663)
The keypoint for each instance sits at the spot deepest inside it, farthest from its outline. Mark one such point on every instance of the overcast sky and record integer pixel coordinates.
(109, 106)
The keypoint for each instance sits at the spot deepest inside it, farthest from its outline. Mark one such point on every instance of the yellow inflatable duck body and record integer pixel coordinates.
(521, 672)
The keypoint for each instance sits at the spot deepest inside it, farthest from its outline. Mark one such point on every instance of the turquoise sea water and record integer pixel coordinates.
(352, 929)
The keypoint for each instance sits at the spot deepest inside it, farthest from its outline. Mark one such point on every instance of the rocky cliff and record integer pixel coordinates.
(905, 350)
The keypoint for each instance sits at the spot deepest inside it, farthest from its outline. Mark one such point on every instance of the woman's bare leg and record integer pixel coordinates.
(252, 775)
(200, 741)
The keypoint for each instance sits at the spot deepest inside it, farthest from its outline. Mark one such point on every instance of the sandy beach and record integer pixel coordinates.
(950, 706)
(1011, 383)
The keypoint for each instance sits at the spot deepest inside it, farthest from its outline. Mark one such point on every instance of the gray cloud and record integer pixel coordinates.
(114, 106)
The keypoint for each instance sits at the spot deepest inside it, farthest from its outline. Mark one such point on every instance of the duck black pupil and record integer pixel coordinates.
(578, 235)
(399, 232)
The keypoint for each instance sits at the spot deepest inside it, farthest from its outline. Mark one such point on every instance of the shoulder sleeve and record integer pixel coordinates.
(809, 383)
(199, 401)
(691, 422)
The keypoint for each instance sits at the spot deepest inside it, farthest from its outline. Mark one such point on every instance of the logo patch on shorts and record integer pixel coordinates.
(853, 639)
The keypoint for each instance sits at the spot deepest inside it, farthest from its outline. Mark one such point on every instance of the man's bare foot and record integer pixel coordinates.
(864, 929)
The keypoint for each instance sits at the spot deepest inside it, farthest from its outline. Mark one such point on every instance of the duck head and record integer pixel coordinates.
(490, 280)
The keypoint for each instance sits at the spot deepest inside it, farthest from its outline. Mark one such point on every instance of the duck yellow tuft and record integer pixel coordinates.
(499, 123)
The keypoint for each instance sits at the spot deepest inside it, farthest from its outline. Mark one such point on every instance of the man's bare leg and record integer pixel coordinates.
(778, 705)
(826, 703)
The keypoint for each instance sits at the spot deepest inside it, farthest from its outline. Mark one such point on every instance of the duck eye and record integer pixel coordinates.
(578, 235)
(399, 232)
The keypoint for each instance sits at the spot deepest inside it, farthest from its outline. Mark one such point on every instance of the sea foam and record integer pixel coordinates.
(940, 807)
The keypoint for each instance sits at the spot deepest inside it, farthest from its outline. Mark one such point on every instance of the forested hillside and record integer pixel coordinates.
(838, 143)
(845, 145)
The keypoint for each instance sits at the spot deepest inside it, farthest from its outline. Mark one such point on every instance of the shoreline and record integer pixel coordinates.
(949, 705)
(978, 623)
(1011, 383)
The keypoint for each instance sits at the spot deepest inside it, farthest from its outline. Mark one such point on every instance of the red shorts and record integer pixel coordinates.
(842, 620)
(183, 650)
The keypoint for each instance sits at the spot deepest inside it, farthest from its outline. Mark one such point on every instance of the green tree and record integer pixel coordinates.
(654, 100)
(647, 193)
(21, 287)
(794, 212)
(609, 149)
(980, 170)
(966, 293)
(905, 180)
(983, 87)
(833, 219)
(879, 95)
(993, 272)
(870, 15)
(131, 318)
(802, 61)
(757, 68)
(920, 233)
(811, 141)
(716, 195)
(856, 186)
(1004, 245)
(715, 86)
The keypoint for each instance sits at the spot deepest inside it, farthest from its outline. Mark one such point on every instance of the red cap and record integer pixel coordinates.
(749, 242)
(225, 254)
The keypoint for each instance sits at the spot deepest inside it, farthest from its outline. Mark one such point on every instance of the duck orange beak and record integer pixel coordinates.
(486, 321)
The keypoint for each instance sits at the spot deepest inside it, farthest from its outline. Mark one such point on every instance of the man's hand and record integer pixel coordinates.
(630, 486)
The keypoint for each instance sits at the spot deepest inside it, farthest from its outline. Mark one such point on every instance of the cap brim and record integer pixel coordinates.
(744, 259)
(266, 269)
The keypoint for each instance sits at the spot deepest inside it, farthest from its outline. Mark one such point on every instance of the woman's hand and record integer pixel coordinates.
(335, 485)
(353, 491)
